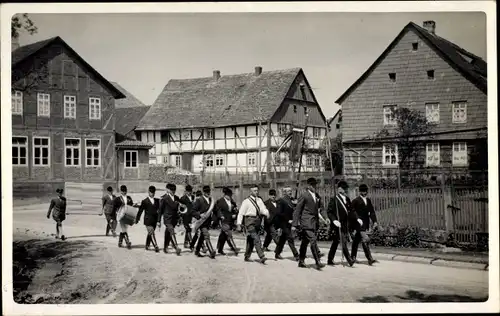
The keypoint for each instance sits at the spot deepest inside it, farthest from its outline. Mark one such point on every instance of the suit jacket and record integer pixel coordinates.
(222, 210)
(364, 211)
(150, 211)
(169, 209)
(107, 203)
(284, 214)
(118, 203)
(188, 216)
(306, 214)
(273, 212)
(201, 206)
(346, 215)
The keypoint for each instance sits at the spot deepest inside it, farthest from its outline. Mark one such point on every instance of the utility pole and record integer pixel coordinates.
(300, 153)
(259, 118)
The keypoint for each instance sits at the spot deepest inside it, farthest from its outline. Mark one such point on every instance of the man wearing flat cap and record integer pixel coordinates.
(306, 219)
(150, 206)
(343, 219)
(169, 209)
(250, 217)
(226, 212)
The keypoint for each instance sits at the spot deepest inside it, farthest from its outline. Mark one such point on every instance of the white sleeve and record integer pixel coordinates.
(242, 212)
(263, 209)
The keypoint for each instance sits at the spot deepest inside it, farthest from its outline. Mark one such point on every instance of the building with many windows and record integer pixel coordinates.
(421, 71)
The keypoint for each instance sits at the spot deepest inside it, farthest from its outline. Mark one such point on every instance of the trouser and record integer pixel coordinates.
(226, 234)
(151, 237)
(170, 236)
(361, 237)
(194, 239)
(335, 243)
(204, 238)
(286, 236)
(252, 227)
(271, 234)
(59, 229)
(187, 235)
(111, 223)
(309, 237)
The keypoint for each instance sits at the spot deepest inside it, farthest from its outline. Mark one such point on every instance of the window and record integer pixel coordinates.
(316, 132)
(41, 156)
(131, 157)
(186, 135)
(305, 110)
(252, 158)
(210, 134)
(219, 161)
(459, 155)
(432, 112)
(389, 117)
(316, 161)
(72, 146)
(19, 151)
(414, 46)
(43, 101)
(95, 108)
(282, 129)
(309, 161)
(337, 126)
(17, 103)
(178, 161)
(392, 76)
(209, 161)
(69, 106)
(430, 74)
(459, 112)
(432, 156)
(390, 155)
(294, 108)
(93, 150)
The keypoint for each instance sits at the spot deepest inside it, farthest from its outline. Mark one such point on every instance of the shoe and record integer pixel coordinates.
(157, 249)
(199, 255)
(186, 246)
(371, 262)
(278, 257)
(302, 264)
(330, 263)
(263, 260)
(178, 251)
(212, 255)
(146, 247)
(350, 263)
(114, 235)
(297, 258)
(191, 249)
(129, 246)
(267, 249)
(321, 255)
(319, 266)
(203, 250)
(221, 252)
(120, 245)
(165, 250)
(63, 238)
(247, 259)
(57, 237)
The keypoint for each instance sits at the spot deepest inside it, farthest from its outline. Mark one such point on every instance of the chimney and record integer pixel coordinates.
(258, 70)
(216, 75)
(430, 26)
(15, 43)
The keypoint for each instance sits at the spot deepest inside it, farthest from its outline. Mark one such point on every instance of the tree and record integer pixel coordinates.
(22, 22)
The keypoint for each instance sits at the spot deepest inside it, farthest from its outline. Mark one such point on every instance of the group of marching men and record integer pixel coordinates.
(283, 220)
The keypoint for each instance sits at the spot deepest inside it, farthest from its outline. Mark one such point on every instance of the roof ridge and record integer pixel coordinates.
(239, 74)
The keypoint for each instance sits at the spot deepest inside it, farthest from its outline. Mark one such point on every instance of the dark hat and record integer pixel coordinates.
(59, 190)
(110, 189)
(206, 189)
(311, 181)
(189, 188)
(342, 184)
(254, 186)
(123, 188)
(198, 193)
(171, 186)
(272, 192)
(363, 188)
(152, 189)
(229, 192)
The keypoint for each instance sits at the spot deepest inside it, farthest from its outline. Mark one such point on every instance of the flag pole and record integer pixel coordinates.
(300, 155)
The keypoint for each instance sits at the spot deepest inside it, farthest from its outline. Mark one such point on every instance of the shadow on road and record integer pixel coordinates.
(415, 296)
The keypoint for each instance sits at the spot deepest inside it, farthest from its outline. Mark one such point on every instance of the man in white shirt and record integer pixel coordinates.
(250, 216)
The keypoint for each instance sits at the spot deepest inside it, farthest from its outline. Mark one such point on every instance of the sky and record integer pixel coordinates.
(143, 51)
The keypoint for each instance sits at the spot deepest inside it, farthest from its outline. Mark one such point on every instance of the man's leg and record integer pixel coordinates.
(166, 239)
(280, 245)
(311, 236)
(206, 237)
(187, 234)
(345, 250)
(269, 235)
(173, 240)
(199, 243)
(365, 243)
(222, 239)
(355, 244)
(303, 249)
(334, 246)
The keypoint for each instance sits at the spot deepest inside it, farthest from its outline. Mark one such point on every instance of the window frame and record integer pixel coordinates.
(392, 74)
(209, 131)
(453, 108)
(65, 105)
(414, 46)
(390, 107)
(17, 101)
(38, 99)
(453, 155)
(131, 152)
(98, 112)
(217, 159)
(26, 146)
(431, 74)
(384, 154)
(316, 132)
(175, 161)
(427, 151)
(427, 104)
(41, 146)
(252, 157)
(209, 158)
(86, 153)
(73, 147)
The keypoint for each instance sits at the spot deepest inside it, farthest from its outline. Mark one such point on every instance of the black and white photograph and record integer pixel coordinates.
(249, 153)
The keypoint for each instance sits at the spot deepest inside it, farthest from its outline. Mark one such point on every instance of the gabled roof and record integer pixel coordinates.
(30, 51)
(130, 101)
(230, 100)
(127, 118)
(331, 119)
(472, 67)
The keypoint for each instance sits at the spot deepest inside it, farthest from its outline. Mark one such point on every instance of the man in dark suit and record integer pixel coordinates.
(343, 219)
(270, 223)
(188, 200)
(363, 207)
(107, 210)
(284, 219)
(306, 218)
(150, 207)
(196, 234)
(120, 204)
(226, 212)
(169, 209)
(202, 206)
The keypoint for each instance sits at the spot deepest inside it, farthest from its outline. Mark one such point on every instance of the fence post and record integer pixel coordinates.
(240, 192)
(448, 211)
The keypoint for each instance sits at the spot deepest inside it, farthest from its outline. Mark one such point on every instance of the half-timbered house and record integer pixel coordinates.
(233, 124)
(421, 71)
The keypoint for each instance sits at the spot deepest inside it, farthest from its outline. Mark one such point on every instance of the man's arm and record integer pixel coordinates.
(242, 211)
(196, 209)
(139, 213)
(297, 214)
(373, 215)
(263, 207)
(51, 206)
(332, 211)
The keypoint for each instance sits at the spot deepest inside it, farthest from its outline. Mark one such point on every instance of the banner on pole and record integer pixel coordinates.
(296, 143)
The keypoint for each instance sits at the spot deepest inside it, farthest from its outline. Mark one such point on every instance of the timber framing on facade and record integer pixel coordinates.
(234, 123)
(421, 71)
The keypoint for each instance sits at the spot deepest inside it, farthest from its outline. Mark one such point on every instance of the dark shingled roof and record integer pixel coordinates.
(127, 118)
(472, 67)
(30, 51)
(206, 102)
(130, 101)
(130, 143)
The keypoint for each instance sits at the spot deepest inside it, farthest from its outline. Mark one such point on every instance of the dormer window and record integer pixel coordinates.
(294, 108)
(392, 76)
(414, 46)
(430, 74)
